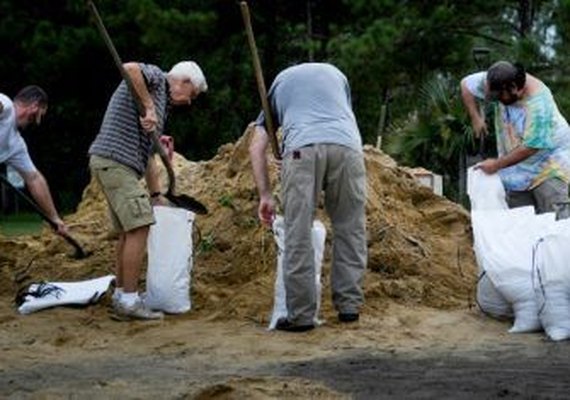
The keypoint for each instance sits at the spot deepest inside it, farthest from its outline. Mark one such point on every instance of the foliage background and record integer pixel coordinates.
(390, 50)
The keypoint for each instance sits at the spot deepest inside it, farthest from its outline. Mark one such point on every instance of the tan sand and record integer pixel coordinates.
(419, 288)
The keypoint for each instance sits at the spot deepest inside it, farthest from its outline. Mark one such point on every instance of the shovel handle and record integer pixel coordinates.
(126, 77)
(260, 81)
(481, 147)
(79, 252)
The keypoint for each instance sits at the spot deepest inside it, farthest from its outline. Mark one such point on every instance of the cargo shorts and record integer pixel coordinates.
(129, 203)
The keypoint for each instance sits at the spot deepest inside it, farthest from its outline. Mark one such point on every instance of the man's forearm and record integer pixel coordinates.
(39, 189)
(257, 151)
(470, 102)
(135, 73)
(515, 156)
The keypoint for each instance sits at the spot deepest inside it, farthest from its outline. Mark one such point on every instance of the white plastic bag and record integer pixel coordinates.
(551, 282)
(486, 192)
(170, 260)
(51, 294)
(318, 236)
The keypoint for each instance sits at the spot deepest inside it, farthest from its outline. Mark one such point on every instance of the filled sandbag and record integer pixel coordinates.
(489, 300)
(318, 236)
(551, 282)
(486, 192)
(170, 260)
(503, 242)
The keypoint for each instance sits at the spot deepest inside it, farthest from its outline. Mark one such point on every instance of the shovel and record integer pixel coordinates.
(182, 201)
(79, 252)
(479, 156)
(260, 82)
(472, 159)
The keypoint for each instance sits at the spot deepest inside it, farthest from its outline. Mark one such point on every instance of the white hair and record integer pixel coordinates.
(189, 69)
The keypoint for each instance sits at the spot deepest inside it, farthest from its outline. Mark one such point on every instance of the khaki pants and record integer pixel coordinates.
(340, 173)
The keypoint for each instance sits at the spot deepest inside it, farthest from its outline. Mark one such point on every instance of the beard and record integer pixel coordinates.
(509, 98)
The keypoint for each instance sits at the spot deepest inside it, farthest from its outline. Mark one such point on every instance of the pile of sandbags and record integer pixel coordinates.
(522, 259)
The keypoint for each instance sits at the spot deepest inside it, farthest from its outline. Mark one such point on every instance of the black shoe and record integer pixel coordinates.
(283, 324)
(348, 317)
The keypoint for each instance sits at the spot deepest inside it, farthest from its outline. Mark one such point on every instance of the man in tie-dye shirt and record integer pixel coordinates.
(533, 138)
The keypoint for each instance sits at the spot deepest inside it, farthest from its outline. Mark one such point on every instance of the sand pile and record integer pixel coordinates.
(419, 243)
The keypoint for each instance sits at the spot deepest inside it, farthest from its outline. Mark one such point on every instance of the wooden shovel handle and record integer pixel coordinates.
(126, 77)
(260, 81)
(79, 252)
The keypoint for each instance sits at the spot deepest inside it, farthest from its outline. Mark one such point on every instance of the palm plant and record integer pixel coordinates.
(436, 136)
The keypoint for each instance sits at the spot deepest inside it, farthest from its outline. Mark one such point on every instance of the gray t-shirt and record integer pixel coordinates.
(121, 138)
(312, 104)
(13, 149)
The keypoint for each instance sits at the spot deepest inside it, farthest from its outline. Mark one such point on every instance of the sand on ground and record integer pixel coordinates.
(420, 325)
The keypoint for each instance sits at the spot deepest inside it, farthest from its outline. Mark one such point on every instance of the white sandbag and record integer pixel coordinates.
(170, 260)
(486, 192)
(51, 294)
(490, 301)
(318, 236)
(551, 282)
(503, 242)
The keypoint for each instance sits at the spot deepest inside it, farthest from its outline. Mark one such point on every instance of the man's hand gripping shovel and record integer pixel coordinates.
(182, 201)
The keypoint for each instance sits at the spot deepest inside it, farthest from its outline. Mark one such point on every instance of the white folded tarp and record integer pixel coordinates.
(51, 294)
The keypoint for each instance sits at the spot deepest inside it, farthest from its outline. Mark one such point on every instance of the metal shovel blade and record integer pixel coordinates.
(79, 251)
(187, 202)
(472, 159)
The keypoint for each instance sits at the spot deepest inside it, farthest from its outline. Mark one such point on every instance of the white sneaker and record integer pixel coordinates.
(121, 312)
(115, 299)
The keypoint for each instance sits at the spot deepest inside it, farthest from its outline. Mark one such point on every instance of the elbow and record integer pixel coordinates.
(31, 178)
(129, 65)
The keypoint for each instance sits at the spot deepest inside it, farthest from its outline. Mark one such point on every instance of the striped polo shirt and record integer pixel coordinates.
(121, 137)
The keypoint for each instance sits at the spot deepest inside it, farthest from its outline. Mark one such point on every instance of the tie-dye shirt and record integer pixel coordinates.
(536, 123)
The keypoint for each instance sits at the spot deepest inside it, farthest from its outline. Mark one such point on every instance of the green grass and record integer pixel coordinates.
(24, 223)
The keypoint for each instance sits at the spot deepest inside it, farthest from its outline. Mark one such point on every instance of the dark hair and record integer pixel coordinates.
(503, 76)
(31, 94)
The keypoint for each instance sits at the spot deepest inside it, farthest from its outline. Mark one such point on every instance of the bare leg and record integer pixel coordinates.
(119, 279)
(131, 257)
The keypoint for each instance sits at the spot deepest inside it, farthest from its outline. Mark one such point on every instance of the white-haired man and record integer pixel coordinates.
(121, 155)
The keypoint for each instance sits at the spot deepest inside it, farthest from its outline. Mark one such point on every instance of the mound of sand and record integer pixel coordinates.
(420, 244)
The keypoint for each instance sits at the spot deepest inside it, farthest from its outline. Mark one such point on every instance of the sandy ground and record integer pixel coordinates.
(402, 353)
(420, 335)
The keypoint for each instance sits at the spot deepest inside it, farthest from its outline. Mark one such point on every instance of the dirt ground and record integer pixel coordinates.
(420, 335)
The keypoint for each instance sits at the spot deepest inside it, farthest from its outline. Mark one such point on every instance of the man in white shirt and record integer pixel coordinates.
(28, 107)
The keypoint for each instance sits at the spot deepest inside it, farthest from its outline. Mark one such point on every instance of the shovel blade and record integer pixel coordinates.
(187, 202)
(472, 160)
